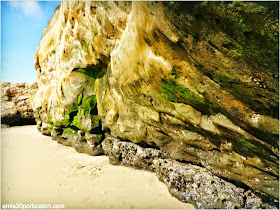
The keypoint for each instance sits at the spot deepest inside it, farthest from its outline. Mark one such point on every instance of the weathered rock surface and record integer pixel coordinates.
(16, 103)
(197, 80)
(187, 182)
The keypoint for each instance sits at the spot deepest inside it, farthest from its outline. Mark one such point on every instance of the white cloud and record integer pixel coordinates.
(29, 8)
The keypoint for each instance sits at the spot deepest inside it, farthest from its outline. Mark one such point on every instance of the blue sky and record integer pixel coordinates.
(22, 25)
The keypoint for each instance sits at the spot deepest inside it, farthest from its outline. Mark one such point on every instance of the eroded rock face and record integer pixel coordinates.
(199, 81)
(16, 103)
(187, 182)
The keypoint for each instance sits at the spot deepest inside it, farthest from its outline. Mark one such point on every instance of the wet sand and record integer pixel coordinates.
(36, 169)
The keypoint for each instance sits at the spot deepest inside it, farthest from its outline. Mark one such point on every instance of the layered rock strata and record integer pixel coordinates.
(187, 182)
(16, 103)
(199, 81)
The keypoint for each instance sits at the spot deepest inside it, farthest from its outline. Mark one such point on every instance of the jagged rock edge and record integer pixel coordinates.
(187, 182)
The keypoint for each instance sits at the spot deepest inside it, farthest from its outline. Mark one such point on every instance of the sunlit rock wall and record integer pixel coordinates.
(16, 103)
(197, 80)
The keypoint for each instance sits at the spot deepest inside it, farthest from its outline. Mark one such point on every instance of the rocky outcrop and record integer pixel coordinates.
(187, 182)
(197, 80)
(16, 103)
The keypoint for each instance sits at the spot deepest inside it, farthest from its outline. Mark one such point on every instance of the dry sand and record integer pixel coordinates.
(36, 169)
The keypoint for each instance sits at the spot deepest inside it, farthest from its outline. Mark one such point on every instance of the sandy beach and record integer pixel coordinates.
(36, 169)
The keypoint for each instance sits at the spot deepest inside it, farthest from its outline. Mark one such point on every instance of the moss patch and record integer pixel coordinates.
(176, 93)
(262, 50)
(246, 145)
(95, 120)
(236, 49)
(76, 122)
(58, 124)
(275, 131)
(258, 48)
(98, 137)
(70, 130)
(88, 104)
(92, 71)
(50, 121)
(238, 89)
(84, 106)
(67, 120)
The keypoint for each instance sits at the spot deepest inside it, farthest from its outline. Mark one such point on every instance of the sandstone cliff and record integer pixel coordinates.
(16, 103)
(196, 80)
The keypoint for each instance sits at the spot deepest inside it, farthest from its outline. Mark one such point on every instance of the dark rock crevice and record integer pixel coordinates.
(17, 120)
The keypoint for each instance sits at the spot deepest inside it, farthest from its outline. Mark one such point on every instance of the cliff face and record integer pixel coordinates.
(16, 103)
(199, 81)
